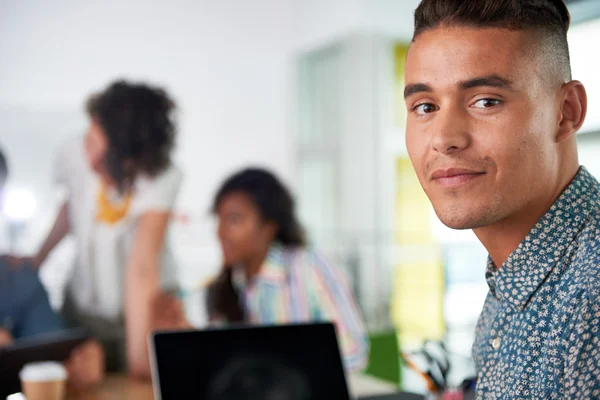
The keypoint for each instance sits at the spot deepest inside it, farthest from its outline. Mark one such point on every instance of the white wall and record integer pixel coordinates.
(320, 22)
(228, 70)
(585, 65)
(228, 63)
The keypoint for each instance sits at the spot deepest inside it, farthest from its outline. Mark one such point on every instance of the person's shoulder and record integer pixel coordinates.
(589, 242)
(300, 254)
(588, 238)
(169, 178)
(317, 262)
(159, 192)
(172, 171)
(584, 272)
(300, 258)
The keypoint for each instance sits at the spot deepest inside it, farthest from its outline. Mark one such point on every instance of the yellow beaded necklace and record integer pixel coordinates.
(107, 211)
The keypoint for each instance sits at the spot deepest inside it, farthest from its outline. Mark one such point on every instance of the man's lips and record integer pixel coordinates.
(455, 176)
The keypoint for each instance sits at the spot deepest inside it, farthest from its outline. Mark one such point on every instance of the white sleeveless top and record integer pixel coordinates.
(102, 250)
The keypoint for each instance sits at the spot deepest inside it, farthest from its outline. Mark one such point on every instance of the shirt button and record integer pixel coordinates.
(496, 343)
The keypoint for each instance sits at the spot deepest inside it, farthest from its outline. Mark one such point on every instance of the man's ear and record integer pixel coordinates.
(573, 110)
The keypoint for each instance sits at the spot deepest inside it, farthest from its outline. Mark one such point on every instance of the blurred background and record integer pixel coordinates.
(308, 88)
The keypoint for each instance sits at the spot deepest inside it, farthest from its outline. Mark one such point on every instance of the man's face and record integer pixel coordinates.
(481, 124)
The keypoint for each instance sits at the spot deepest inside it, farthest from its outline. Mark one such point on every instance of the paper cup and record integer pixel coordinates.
(44, 381)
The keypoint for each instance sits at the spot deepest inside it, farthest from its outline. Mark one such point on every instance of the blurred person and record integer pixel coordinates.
(493, 113)
(122, 186)
(25, 312)
(270, 276)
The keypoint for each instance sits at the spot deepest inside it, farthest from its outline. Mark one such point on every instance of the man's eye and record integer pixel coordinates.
(486, 103)
(424, 108)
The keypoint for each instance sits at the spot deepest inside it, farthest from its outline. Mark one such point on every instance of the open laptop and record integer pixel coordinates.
(287, 362)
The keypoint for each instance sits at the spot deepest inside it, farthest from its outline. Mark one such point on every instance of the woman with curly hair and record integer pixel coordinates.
(121, 186)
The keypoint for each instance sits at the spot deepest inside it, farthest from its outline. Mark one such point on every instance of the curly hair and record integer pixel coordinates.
(138, 122)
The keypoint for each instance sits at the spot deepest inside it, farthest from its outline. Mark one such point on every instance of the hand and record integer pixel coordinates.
(6, 338)
(85, 366)
(17, 262)
(168, 313)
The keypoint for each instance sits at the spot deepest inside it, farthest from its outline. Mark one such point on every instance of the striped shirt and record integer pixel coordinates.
(296, 285)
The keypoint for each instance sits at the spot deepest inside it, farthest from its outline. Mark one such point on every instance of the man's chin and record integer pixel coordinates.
(463, 220)
(457, 225)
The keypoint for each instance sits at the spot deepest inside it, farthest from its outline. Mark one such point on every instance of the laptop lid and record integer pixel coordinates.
(287, 362)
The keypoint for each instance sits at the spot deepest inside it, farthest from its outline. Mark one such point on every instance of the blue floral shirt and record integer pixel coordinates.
(538, 336)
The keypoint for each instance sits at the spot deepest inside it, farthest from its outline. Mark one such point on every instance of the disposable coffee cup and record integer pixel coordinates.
(44, 381)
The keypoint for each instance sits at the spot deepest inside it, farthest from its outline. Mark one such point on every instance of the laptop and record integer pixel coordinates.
(283, 362)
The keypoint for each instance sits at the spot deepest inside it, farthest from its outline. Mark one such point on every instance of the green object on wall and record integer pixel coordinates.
(384, 357)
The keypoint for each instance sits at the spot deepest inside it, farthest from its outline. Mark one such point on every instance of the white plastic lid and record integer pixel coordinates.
(43, 372)
(16, 396)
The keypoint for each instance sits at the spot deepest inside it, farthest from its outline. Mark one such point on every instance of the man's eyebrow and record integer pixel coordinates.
(489, 81)
(415, 88)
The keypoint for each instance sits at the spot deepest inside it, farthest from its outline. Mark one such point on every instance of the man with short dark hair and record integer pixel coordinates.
(491, 128)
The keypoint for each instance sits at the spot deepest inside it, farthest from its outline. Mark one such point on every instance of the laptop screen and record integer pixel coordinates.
(288, 362)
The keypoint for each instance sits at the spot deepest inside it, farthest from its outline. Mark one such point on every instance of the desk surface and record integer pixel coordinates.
(117, 387)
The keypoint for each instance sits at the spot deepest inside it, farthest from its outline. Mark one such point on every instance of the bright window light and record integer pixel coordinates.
(19, 204)
(585, 62)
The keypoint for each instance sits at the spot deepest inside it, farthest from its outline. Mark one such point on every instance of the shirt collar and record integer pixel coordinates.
(273, 271)
(527, 268)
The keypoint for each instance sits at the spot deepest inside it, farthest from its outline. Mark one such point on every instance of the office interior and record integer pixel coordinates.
(310, 89)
